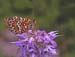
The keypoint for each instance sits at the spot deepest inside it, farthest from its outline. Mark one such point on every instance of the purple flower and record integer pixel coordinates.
(36, 43)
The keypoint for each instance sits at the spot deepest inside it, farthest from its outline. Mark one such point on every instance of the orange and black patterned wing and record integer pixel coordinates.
(20, 25)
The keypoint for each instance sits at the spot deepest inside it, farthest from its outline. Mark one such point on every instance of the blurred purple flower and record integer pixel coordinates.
(36, 43)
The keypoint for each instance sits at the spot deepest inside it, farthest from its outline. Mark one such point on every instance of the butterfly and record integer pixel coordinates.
(19, 25)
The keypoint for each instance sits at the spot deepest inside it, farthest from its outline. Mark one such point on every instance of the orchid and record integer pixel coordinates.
(37, 43)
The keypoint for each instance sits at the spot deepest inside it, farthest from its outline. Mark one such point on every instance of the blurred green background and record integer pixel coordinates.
(50, 15)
